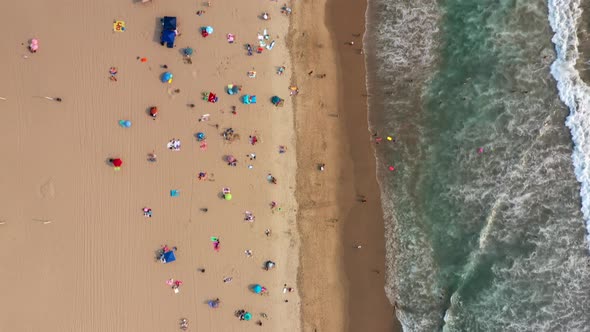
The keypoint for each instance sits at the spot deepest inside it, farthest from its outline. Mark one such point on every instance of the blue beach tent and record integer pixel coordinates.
(169, 23)
(168, 38)
(168, 31)
(248, 99)
(168, 257)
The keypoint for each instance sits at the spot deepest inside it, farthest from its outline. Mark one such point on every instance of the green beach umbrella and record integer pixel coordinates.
(247, 316)
(227, 197)
(188, 51)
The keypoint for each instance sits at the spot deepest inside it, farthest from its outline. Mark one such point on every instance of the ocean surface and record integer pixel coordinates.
(488, 206)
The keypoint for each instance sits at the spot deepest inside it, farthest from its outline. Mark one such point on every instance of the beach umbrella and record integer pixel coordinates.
(247, 316)
(154, 111)
(116, 162)
(206, 31)
(227, 197)
(277, 101)
(233, 89)
(257, 289)
(167, 77)
(200, 136)
(269, 265)
(188, 51)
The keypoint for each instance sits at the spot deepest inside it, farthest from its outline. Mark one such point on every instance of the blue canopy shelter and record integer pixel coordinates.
(169, 23)
(168, 31)
(168, 257)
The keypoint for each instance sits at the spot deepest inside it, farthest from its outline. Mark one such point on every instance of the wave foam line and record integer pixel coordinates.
(563, 18)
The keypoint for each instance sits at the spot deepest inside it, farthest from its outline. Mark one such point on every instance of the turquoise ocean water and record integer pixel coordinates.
(487, 208)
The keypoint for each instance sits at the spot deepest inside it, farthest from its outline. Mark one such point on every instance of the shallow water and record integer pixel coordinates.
(484, 225)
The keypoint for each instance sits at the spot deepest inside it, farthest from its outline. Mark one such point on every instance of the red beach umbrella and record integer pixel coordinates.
(117, 162)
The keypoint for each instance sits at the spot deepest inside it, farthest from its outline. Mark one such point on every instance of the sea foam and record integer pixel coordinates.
(563, 18)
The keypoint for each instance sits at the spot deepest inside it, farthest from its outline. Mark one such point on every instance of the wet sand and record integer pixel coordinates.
(583, 64)
(344, 285)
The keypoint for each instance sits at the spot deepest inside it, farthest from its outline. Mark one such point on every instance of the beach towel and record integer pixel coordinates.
(119, 26)
(173, 145)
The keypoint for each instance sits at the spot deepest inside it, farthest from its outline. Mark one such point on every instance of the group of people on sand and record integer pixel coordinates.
(228, 135)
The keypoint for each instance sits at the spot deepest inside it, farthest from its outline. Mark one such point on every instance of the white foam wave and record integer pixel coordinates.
(563, 18)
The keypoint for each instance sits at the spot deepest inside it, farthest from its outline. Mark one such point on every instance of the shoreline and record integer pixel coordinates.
(344, 287)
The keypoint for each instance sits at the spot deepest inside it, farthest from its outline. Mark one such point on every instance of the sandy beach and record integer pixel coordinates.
(339, 209)
(79, 254)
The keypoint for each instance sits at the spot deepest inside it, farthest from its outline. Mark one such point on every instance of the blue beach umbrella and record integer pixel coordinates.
(167, 77)
(257, 289)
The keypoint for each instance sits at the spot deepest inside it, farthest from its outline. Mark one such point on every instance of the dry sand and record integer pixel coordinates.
(92, 267)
